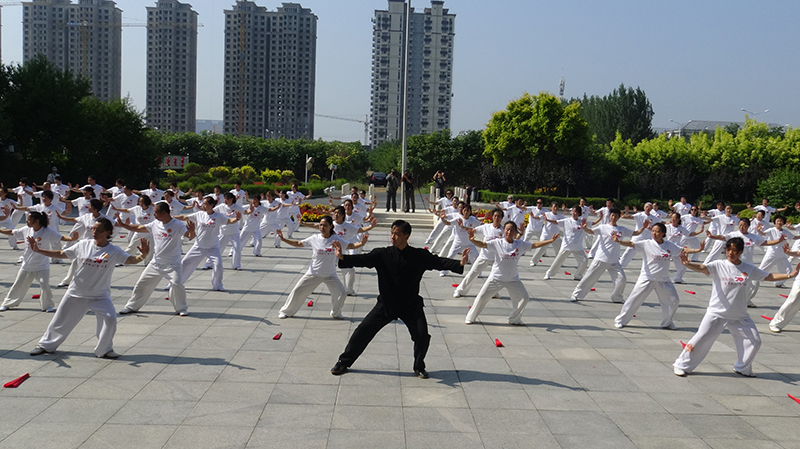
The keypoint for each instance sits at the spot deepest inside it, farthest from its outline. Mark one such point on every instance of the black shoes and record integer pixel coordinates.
(338, 369)
(421, 373)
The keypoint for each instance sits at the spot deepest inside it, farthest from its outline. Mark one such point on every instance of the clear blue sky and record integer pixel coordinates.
(695, 60)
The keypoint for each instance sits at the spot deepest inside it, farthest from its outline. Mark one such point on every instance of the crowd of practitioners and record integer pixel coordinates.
(158, 223)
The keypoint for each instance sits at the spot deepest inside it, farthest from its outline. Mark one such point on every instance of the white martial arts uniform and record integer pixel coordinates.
(230, 233)
(166, 263)
(768, 211)
(252, 228)
(605, 218)
(441, 204)
(25, 199)
(155, 194)
(692, 225)
(534, 228)
(321, 270)
(296, 199)
(639, 218)
(206, 244)
(774, 257)
(240, 195)
(91, 290)
(677, 235)
(269, 220)
(606, 258)
(726, 308)
(83, 226)
(440, 244)
(142, 217)
(571, 244)
(721, 224)
(461, 239)
(548, 231)
(682, 208)
(484, 260)
(788, 309)
(348, 233)
(505, 274)
(653, 276)
(34, 267)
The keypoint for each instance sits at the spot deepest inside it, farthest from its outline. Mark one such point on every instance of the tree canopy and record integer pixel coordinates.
(625, 110)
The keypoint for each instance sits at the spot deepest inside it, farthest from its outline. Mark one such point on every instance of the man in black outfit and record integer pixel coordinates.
(400, 268)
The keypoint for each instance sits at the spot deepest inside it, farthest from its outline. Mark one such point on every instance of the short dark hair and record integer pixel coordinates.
(229, 196)
(580, 209)
(511, 223)
(661, 226)
(41, 218)
(746, 221)
(105, 223)
(48, 194)
(211, 200)
(162, 206)
(340, 209)
(735, 242)
(96, 204)
(403, 226)
(499, 211)
(781, 217)
(146, 200)
(615, 210)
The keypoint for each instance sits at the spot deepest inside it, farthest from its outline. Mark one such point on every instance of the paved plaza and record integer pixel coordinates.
(218, 379)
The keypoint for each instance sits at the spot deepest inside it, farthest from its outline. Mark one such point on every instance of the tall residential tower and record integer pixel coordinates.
(270, 64)
(172, 66)
(85, 38)
(430, 62)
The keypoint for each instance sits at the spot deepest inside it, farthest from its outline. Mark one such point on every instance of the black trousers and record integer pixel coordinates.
(409, 200)
(391, 199)
(376, 319)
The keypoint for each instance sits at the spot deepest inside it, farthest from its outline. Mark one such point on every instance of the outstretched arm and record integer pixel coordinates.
(545, 242)
(694, 266)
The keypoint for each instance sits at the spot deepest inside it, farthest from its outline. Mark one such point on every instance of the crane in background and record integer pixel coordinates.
(365, 122)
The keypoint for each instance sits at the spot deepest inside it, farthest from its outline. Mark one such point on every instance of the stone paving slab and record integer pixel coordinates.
(568, 379)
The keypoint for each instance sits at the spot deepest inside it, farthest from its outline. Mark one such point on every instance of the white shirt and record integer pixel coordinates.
(681, 208)
(573, 234)
(270, 216)
(207, 228)
(229, 212)
(534, 212)
(775, 234)
(506, 258)
(239, 194)
(659, 213)
(252, 221)
(608, 249)
(691, 223)
(85, 223)
(677, 235)
(460, 236)
(517, 215)
(32, 261)
(656, 258)
(154, 194)
(640, 218)
(323, 256)
(754, 226)
(175, 207)
(95, 265)
(768, 211)
(143, 216)
(122, 201)
(730, 288)
(24, 195)
(549, 229)
(82, 204)
(196, 203)
(286, 209)
(167, 241)
(347, 232)
(98, 189)
(50, 211)
(489, 233)
(750, 242)
(444, 202)
(725, 224)
(606, 217)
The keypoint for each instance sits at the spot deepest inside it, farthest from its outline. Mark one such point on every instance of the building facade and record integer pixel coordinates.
(270, 71)
(430, 71)
(172, 66)
(85, 38)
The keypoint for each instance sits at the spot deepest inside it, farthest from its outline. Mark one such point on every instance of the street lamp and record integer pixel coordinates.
(754, 114)
(680, 126)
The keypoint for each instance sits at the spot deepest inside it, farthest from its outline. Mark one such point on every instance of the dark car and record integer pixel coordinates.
(378, 179)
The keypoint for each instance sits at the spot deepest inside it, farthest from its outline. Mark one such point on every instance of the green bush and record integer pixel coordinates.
(781, 188)
(220, 173)
(193, 168)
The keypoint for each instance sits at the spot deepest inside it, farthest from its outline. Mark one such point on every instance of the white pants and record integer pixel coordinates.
(440, 242)
(788, 310)
(244, 237)
(770, 260)
(593, 249)
(716, 250)
(481, 263)
(70, 312)
(745, 336)
(540, 252)
(23, 282)
(306, 285)
(692, 243)
(457, 248)
(516, 290)
(12, 223)
(436, 231)
(628, 256)
(593, 274)
(295, 224)
(680, 269)
(532, 234)
(70, 272)
(274, 226)
(193, 258)
(580, 257)
(136, 241)
(148, 281)
(236, 248)
(667, 296)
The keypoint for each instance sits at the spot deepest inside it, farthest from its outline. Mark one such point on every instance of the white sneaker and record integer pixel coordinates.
(678, 371)
(456, 295)
(532, 264)
(670, 326)
(3, 308)
(183, 313)
(467, 322)
(619, 325)
(546, 277)
(62, 284)
(441, 275)
(282, 315)
(337, 317)
(777, 330)
(573, 298)
(50, 309)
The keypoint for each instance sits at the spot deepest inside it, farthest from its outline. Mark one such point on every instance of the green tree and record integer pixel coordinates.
(624, 110)
(386, 156)
(782, 187)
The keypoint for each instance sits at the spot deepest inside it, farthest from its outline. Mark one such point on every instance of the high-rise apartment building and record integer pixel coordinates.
(270, 64)
(430, 63)
(172, 66)
(85, 38)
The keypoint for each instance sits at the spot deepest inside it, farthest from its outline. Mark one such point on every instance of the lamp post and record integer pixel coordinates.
(404, 97)
(754, 114)
(680, 126)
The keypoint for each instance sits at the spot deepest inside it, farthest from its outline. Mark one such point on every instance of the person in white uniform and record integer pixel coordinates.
(206, 245)
(142, 214)
(727, 308)
(269, 220)
(774, 257)
(489, 231)
(603, 217)
(678, 234)
(692, 222)
(534, 229)
(571, 245)
(461, 227)
(166, 233)
(682, 208)
(639, 218)
(607, 257)
(229, 232)
(81, 231)
(657, 253)
(766, 208)
(442, 242)
(35, 267)
(721, 224)
(153, 192)
(439, 205)
(252, 224)
(296, 198)
(791, 306)
(549, 229)
(91, 289)
(321, 270)
(506, 253)
(240, 194)
(24, 194)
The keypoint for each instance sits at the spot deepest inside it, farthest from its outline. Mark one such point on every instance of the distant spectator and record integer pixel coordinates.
(439, 182)
(391, 191)
(408, 189)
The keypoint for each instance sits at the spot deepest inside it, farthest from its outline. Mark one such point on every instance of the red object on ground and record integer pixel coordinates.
(470, 307)
(36, 296)
(122, 236)
(766, 317)
(540, 260)
(592, 289)
(310, 303)
(18, 381)
(689, 292)
(683, 345)
(166, 299)
(498, 343)
(455, 285)
(568, 273)
(795, 399)
(785, 296)
(277, 336)
(426, 247)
